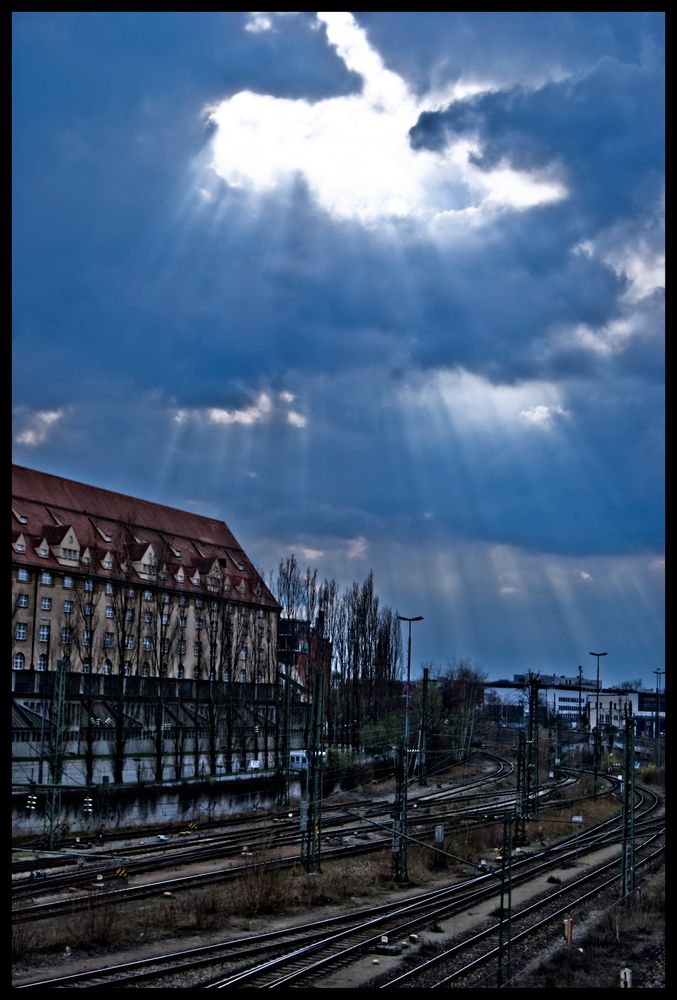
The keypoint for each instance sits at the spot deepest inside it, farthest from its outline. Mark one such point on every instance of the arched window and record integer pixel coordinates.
(145, 670)
(106, 667)
(19, 661)
(86, 666)
(42, 661)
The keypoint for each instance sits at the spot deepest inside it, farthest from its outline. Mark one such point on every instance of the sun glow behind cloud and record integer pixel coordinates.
(354, 152)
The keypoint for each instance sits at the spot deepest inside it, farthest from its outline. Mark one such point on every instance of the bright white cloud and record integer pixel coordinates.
(308, 553)
(475, 402)
(354, 152)
(38, 425)
(287, 397)
(259, 21)
(250, 415)
(357, 548)
(584, 576)
(262, 410)
(542, 416)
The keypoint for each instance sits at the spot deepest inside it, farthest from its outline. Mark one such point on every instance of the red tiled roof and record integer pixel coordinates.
(200, 539)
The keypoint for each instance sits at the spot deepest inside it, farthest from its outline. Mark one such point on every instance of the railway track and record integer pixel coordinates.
(338, 940)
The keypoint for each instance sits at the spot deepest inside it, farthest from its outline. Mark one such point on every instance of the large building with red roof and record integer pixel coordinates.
(146, 604)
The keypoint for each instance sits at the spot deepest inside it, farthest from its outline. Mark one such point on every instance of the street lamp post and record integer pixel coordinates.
(598, 731)
(400, 861)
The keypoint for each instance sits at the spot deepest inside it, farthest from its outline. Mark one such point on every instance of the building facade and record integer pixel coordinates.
(165, 628)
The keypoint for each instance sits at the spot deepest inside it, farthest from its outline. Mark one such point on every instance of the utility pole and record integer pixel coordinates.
(285, 734)
(521, 794)
(399, 859)
(399, 851)
(532, 748)
(55, 755)
(505, 938)
(598, 728)
(580, 693)
(311, 842)
(628, 872)
(658, 672)
(422, 774)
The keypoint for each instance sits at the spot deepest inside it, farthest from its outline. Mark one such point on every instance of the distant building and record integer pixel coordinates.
(573, 699)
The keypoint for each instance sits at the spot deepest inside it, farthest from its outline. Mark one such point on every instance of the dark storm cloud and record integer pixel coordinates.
(597, 128)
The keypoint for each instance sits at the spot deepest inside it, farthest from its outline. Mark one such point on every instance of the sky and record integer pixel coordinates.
(382, 290)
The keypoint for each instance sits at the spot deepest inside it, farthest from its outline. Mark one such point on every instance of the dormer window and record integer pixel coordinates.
(69, 553)
(148, 569)
(43, 552)
(20, 546)
(21, 518)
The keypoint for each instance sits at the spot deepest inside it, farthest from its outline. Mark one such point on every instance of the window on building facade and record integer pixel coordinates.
(165, 598)
(131, 593)
(106, 667)
(109, 588)
(69, 553)
(147, 643)
(22, 601)
(243, 654)
(196, 649)
(89, 585)
(89, 609)
(243, 677)
(165, 645)
(20, 546)
(66, 636)
(42, 661)
(86, 666)
(22, 574)
(183, 621)
(127, 668)
(182, 647)
(68, 607)
(199, 624)
(183, 600)
(46, 604)
(129, 615)
(68, 582)
(199, 603)
(43, 552)
(86, 637)
(148, 595)
(19, 661)
(148, 617)
(180, 672)
(108, 640)
(109, 611)
(46, 578)
(129, 641)
(165, 619)
(21, 630)
(145, 670)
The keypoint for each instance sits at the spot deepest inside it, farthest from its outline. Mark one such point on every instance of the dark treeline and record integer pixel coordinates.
(363, 677)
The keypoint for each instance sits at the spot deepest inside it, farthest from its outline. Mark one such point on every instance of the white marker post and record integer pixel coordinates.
(577, 820)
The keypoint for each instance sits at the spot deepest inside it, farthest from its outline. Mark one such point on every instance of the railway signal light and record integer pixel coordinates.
(87, 806)
(31, 803)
